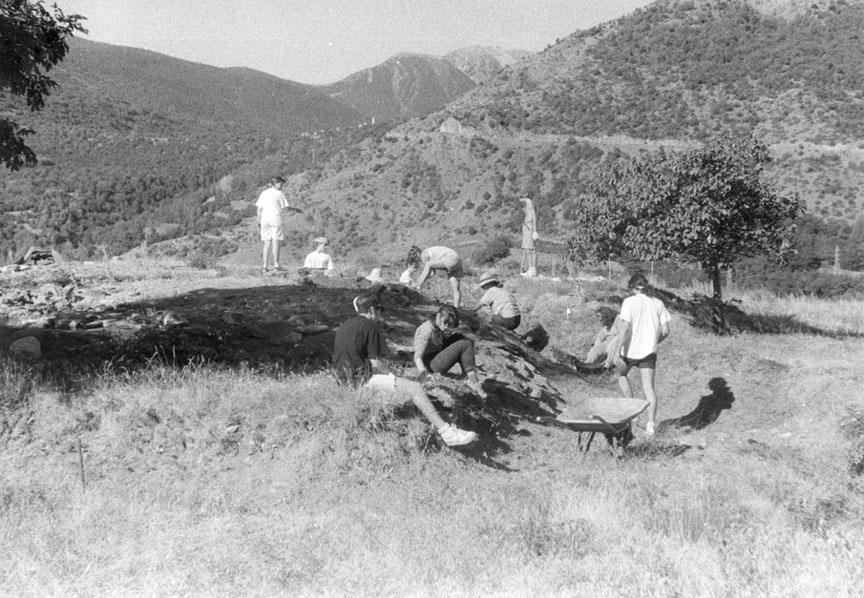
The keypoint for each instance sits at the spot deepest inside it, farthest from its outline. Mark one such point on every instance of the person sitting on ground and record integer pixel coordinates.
(438, 258)
(642, 325)
(606, 336)
(319, 261)
(435, 351)
(360, 355)
(498, 303)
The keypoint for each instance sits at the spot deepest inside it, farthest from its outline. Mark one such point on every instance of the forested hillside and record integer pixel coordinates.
(671, 75)
(686, 70)
(132, 144)
(139, 146)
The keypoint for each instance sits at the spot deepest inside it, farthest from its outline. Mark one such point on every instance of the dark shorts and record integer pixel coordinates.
(649, 362)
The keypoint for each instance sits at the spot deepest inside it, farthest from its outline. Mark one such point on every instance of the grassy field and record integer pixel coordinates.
(214, 481)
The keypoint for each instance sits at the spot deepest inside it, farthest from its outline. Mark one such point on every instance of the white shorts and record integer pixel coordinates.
(272, 231)
(400, 389)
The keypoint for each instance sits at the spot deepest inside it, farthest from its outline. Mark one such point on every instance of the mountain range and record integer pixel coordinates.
(136, 141)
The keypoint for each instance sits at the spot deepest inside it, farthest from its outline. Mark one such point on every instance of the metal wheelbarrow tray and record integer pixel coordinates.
(609, 416)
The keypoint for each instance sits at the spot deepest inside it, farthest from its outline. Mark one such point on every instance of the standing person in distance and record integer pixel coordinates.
(529, 235)
(360, 358)
(432, 259)
(270, 204)
(642, 325)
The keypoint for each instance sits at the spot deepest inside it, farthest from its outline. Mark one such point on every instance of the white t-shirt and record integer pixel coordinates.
(270, 204)
(318, 260)
(646, 316)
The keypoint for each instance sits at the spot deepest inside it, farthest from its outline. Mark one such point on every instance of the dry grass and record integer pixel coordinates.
(840, 316)
(214, 482)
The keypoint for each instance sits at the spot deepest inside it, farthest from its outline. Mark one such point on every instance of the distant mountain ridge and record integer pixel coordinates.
(403, 86)
(198, 92)
(483, 63)
(669, 75)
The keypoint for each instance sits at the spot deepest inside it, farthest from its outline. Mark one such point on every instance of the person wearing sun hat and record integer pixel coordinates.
(497, 303)
(319, 261)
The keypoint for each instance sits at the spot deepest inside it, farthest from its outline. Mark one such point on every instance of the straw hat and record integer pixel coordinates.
(375, 275)
(321, 240)
(487, 277)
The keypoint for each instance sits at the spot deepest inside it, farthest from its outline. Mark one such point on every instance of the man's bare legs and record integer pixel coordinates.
(420, 399)
(270, 249)
(450, 434)
(647, 375)
(456, 287)
(650, 396)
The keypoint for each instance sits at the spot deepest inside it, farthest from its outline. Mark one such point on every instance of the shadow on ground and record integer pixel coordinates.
(291, 328)
(708, 409)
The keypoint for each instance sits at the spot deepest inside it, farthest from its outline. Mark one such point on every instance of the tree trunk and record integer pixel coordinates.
(718, 318)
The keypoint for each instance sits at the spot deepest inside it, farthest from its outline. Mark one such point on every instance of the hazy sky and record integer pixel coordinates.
(323, 41)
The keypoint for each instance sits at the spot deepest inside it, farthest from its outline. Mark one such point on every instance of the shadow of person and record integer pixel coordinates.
(708, 409)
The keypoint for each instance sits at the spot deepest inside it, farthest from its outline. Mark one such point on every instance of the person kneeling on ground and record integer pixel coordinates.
(437, 353)
(360, 357)
(319, 261)
(606, 337)
(498, 303)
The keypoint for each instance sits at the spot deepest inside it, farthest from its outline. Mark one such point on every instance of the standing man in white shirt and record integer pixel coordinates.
(270, 204)
(643, 324)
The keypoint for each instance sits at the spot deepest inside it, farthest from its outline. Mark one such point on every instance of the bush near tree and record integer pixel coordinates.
(710, 206)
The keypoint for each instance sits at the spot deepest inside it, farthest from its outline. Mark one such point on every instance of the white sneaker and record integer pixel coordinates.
(453, 436)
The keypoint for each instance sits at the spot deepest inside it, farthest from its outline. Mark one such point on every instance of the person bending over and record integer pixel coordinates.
(437, 258)
(436, 351)
(360, 355)
(498, 303)
(642, 325)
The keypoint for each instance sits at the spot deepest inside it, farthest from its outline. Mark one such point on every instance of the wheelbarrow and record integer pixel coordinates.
(609, 416)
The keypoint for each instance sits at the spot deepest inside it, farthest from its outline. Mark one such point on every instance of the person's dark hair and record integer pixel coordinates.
(276, 180)
(450, 315)
(413, 258)
(362, 303)
(637, 281)
(607, 316)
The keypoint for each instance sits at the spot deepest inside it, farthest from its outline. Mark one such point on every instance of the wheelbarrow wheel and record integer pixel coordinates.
(620, 439)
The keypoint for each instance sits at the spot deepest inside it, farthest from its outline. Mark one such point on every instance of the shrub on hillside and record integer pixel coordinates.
(497, 248)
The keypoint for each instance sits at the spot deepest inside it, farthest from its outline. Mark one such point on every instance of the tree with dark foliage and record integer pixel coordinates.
(32, 41)
(710, 205)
